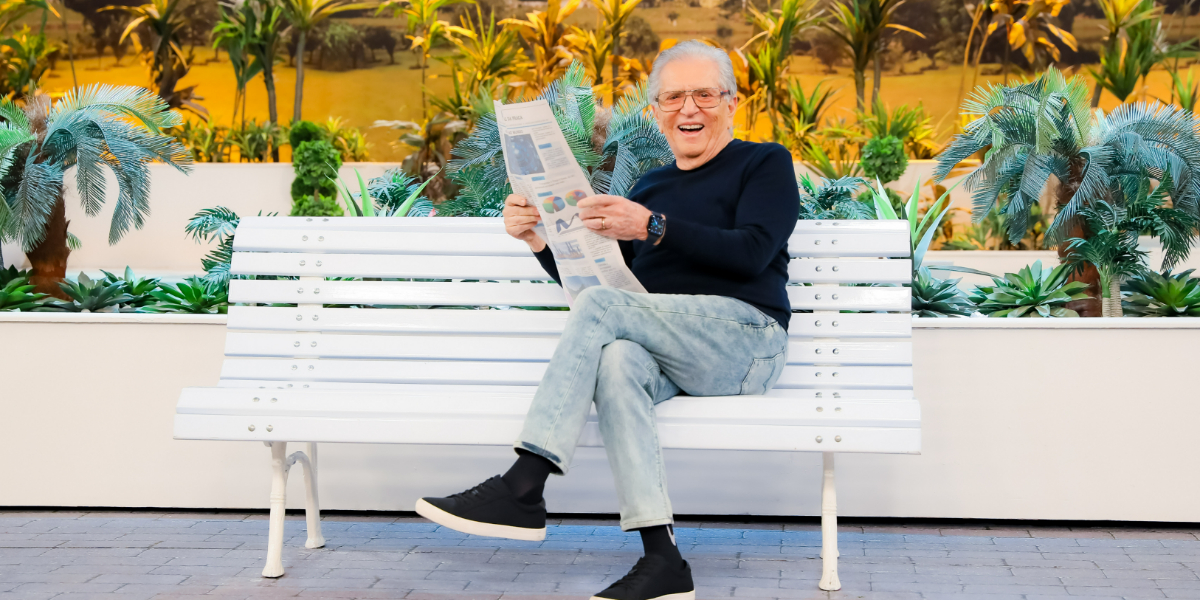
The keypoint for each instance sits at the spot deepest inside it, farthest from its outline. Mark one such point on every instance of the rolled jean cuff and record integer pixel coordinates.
(639, 524)
(546, 454)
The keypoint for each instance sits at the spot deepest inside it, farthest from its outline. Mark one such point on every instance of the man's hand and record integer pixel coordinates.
(520, 217)
(614, 217)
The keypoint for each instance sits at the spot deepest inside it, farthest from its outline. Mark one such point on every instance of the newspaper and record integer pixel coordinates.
(542, 169)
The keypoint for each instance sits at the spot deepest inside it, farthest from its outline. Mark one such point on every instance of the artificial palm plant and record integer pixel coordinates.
(1038, 132)
(90, 129)
(424, 26)
(860, 25)
(632, 145)
(544, 33)
(159, 25)
(304, 15)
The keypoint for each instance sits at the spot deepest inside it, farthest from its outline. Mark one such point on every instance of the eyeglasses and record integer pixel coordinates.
(703, 97)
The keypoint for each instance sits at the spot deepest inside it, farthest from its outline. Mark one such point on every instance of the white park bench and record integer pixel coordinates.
(415, 375)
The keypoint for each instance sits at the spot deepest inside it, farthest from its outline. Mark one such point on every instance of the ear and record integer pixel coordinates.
(657, 118)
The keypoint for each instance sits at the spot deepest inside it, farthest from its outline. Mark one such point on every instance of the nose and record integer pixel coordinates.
(684, 109)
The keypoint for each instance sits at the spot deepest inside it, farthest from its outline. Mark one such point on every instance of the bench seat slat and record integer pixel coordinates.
(513, 322)
(535, 349)
(414, 293)
(892, 241)
(496, 432)
(518, 373)
(524, 268)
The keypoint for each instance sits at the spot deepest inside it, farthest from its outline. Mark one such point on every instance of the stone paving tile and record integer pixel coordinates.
(132, 555)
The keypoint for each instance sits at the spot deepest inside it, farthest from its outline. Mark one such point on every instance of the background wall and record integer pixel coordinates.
(1058, 420)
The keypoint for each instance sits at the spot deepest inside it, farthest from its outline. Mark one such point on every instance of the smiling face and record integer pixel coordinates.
(695, 134)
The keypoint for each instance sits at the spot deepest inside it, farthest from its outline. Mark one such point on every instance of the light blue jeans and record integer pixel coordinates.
(626, 352)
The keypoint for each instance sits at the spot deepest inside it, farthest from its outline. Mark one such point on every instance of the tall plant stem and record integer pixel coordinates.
(967, 53)
(860, 86)
(424, 104)
(70, 48)
(1007, 49)
(272, 111)
(878, 76)
(296, 110)
(616, 51)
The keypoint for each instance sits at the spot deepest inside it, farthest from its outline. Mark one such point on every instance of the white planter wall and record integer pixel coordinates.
(1022, 419)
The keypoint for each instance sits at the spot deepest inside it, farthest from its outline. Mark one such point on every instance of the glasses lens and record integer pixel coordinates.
(671, 100)
(707, 97)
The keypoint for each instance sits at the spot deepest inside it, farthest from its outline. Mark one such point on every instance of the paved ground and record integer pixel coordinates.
(125, 556)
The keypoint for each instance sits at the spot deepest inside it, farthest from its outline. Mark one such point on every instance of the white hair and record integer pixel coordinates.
(692, 49)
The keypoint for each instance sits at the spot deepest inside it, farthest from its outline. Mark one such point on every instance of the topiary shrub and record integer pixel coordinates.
(304, 131)
(883, 158)
(316, 164)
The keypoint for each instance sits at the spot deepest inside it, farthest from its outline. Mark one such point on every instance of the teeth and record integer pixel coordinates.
(691, 127)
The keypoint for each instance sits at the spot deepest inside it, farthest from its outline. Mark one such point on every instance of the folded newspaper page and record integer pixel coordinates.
(542, 169)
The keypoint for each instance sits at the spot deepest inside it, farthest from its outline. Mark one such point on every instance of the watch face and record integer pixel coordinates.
(655, 226)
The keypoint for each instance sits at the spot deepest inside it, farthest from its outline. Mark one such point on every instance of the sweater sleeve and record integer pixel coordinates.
(766, 216)
(546, 258)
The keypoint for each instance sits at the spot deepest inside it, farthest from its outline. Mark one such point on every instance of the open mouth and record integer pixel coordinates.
(691, 128)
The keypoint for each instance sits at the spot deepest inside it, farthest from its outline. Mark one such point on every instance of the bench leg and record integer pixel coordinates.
(279, 473)
(312, 505)
(829, 551)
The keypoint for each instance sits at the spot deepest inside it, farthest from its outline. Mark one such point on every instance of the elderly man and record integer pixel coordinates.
(707, 236)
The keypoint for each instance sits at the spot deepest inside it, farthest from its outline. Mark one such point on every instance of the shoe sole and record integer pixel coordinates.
(458, 523)
(680, 596)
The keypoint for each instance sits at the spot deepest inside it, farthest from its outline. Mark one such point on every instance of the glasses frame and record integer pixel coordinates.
(688, 94)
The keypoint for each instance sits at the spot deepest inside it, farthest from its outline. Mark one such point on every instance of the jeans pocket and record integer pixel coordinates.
(763, 374)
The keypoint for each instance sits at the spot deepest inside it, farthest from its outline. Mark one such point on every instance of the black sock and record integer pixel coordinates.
(527, 477)
(660, 540)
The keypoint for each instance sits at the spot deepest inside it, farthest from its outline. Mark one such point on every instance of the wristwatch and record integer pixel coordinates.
(656, 228)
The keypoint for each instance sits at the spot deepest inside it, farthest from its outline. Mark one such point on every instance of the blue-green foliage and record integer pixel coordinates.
(632, 146)
(392, 189)
(93, 128)
(822, 198)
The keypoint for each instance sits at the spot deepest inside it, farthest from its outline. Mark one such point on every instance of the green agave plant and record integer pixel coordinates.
(832, 198)
(1031, 292)
(933, 297)
(138, 288)
(193, 295)
(11, 273)
(88, 295)
(16, 295)
(632, 146)
(1164, 295)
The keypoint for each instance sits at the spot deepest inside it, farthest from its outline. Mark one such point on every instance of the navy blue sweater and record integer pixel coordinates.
(728, 224)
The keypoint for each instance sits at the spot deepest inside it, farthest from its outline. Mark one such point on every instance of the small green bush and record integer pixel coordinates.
(304, 131)
(314, 194)
(883, 158)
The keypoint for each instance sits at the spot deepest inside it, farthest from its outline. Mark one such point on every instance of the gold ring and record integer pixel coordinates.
(603, 225)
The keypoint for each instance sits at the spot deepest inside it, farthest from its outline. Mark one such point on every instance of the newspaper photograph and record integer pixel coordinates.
(542, 169)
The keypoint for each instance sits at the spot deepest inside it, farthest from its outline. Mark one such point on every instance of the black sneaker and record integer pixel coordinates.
(488, 509)
(652, 579)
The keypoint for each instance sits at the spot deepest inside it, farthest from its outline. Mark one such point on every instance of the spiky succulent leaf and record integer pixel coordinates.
(1162, 295)
(193, 296)
(1030, 292)
(933, 297)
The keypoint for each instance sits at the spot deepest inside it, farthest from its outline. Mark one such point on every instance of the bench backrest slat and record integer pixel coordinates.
(843, 243)
(414, 293)
(526, 268)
